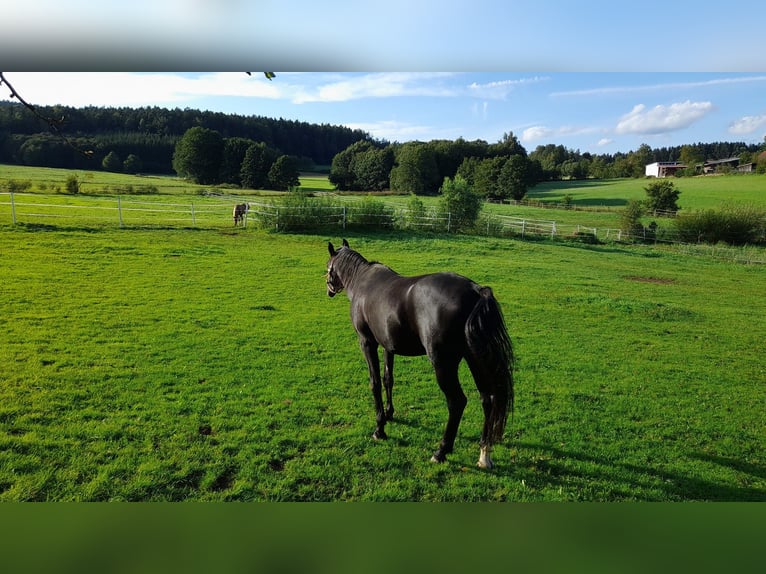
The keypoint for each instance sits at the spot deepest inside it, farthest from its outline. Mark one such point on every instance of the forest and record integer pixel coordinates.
(151, 134)
(146, 140)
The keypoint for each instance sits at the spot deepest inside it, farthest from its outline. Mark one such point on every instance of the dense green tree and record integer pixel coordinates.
(460, 203)
(233, 154)
(575, 169)
(415, 170)
(513, 180)
(342, 175)
(640, 158)
(467, 169)
(371, 169)
(550, 157)
(112, 162)
(507, 146)
(486, 177)
(691, 156)
(662, 195)
(284, 173)
(133, 164)
(254, 173)
(198, 155)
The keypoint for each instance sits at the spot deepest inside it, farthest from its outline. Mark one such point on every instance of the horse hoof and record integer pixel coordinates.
(439, 459)
(379, 435)
(486, 465)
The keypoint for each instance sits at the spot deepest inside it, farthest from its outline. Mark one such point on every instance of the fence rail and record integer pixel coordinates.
(216, 212)
(126, 211)
(119, 210)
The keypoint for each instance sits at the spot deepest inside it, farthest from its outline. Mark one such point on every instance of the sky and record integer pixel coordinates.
(597, 76)
(592, 112)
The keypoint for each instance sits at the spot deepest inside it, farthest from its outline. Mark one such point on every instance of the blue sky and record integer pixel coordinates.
(597, 75)
(590, 111)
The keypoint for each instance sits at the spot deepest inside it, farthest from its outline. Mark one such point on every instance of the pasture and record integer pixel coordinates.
(209, 364)
(696, 192)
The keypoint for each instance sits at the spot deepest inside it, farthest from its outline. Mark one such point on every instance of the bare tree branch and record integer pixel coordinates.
(54, 125)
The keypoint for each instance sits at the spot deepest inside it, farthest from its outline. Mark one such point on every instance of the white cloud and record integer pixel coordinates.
(79, 89)
(661, 119)
(383, 85)
(499, 90)
(393, 130)
(611, 90)
(537, 133)
(747, 124)
(604, 142)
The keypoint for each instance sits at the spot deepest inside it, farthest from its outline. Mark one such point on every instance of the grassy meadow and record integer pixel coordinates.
(696, 192)
(209, 364)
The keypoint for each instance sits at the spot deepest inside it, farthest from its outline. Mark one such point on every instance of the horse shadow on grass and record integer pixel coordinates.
(553, 467)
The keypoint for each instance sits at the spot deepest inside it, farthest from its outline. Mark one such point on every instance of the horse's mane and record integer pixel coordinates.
(350, 263)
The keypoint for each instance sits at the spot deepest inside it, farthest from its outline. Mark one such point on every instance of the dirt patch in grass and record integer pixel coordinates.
(656, 280)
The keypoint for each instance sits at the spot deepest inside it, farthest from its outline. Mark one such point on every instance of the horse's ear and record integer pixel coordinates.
(345, 243)
(331, 249)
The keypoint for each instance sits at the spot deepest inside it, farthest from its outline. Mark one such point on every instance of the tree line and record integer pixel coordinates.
(504, 170)
(145, 140)
(555, 162)
(496, 171)
(204, 156)
(151, 134)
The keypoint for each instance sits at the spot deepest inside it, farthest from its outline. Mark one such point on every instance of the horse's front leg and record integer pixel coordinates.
(370, 350)
(388, 383)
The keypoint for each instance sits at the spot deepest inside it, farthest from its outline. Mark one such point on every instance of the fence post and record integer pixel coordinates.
(553, 230)
(344, 217)
(194, 219)
(13, 209)
(449, 221)
(523, 227)
(119, 208)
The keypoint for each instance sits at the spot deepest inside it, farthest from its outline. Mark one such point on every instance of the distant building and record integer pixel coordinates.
(664, 168)
(715, 165)
(669, 168)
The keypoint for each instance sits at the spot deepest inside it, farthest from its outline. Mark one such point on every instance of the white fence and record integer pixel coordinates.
(217, 212)
(121, 210)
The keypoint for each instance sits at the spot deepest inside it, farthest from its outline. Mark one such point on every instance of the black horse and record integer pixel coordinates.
(443, 315)
(240, 213)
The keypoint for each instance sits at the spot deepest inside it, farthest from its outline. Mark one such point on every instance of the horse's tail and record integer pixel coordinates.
(492, 351)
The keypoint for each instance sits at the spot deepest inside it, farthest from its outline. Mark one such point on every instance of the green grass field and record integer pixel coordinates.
(696, 192)
(209, 364)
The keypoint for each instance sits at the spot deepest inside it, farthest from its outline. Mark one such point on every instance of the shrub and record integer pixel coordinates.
(15, 186)
(72, 184)
(630, 219)
(371, 213)
(735, 224)
(300, 211)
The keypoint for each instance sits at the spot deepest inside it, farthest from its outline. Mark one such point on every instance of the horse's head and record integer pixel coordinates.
(334, 282)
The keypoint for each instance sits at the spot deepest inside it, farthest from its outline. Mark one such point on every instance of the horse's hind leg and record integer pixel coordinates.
(485, 443)
(388, 383)
(370, 350)
(446, 376)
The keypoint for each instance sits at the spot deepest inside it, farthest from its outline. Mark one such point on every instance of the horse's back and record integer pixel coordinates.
(422, 314)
